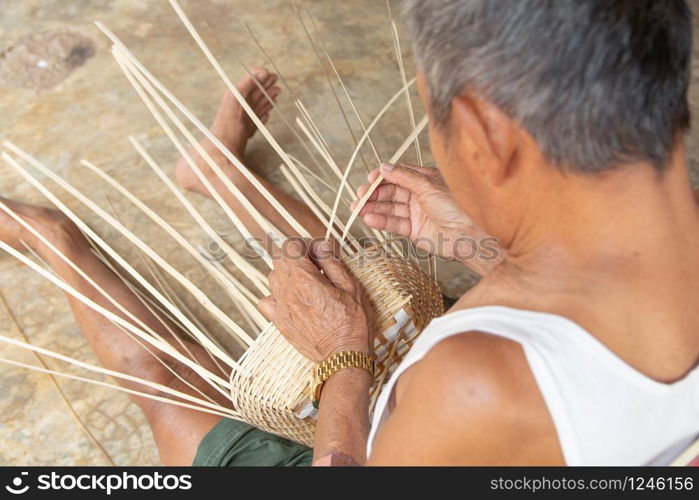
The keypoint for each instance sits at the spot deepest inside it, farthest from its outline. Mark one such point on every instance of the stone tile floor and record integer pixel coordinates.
(64, 99)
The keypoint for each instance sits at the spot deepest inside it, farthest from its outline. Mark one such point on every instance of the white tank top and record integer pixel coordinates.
(605, 412)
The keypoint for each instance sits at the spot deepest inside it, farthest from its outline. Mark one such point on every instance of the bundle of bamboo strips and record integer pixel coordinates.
(267, 385)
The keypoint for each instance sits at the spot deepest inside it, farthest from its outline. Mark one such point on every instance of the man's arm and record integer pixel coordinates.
(343, 420)
(322, 314)
(471, 401)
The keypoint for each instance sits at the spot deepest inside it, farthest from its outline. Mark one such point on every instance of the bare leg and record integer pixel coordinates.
(177, 431)
(233, 128)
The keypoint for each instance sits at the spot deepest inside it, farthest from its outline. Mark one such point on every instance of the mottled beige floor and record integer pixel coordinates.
(90, 114)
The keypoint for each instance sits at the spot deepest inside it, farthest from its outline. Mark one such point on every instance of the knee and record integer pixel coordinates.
(57, 228)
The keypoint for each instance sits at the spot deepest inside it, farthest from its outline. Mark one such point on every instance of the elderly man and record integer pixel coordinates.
(558, 128)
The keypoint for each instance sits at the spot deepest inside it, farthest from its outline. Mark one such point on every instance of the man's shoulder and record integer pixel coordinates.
(478, 367)
(479, 386)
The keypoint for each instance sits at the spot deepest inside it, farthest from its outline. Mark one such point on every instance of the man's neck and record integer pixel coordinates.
(617, 253)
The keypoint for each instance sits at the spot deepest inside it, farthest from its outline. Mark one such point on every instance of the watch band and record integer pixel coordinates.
(329, 367)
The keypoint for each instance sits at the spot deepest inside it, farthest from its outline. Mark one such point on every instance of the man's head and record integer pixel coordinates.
(594, 84)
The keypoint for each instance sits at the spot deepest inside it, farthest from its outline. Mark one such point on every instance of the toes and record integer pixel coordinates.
(271, 80)
(263, 77)
(247, 86)
(263, 104)
(260, 100)
(260, 72)
(266, 111)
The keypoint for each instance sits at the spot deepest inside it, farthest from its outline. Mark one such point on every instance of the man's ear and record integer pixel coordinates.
(486, 138)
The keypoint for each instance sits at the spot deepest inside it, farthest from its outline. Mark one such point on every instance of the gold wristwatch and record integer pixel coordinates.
(329, 367)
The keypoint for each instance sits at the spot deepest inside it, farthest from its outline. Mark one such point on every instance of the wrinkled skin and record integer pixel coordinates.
(316, 303)
(414, 202)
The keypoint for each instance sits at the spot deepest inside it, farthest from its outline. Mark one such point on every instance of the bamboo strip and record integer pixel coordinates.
(166, 347)
(362, 201)
(92, 283)
(288, 88)
(345, 176)
(312, 125)
(145, 248)
(331, 162)
(327, 77)
(350, 163)
(177, 338)
(255, 326)
(55, 383)
(326, 156)
(110, 251)
(384, 375)
(293, 165)
(342, 84)
(227, 414)
(315, 176)
(238, 297)
(73, 266)
(206, 132)
(157, 310)
(132, 75)
(401, 69)
(311, 192)
(180, 304)
(280, 113)
(233, 281)
(252, 273)
(378, 116)
(313, 205)
(255, 119)
(321, 145)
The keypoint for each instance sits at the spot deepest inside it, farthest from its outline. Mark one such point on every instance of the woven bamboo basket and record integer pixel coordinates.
(268, 385)
(271, 387)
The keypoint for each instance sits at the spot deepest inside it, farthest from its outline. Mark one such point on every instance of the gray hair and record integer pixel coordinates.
(597, 83)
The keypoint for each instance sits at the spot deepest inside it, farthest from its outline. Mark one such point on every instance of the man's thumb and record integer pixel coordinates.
(268, 307)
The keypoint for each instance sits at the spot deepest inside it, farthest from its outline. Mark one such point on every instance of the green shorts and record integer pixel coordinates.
(236, 444)
(231, 443)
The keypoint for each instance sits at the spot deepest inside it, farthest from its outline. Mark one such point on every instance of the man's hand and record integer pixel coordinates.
(319, 313)
(415, 203)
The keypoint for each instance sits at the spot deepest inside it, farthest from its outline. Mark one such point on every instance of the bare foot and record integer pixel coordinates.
(51, 224)
(232, 127)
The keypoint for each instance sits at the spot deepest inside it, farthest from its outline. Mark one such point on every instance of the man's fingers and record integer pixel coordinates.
(414, 179)
(386, 192)
(426, 171)
(295, 249)
(268, 308)
(333, 268)
(397, 225)
(288, 259)
(373, 175)
(386, 208)
(391, 193)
